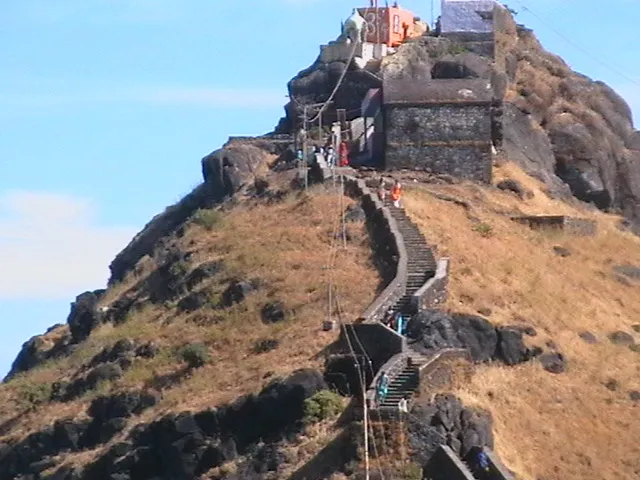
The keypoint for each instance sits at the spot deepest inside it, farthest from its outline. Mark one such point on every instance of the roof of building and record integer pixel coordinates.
(434, 92)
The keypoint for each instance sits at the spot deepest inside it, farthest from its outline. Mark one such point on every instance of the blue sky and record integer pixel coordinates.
(107, 107)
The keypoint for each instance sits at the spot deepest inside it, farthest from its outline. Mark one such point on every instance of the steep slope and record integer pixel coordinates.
(243, 289)
(581, 423)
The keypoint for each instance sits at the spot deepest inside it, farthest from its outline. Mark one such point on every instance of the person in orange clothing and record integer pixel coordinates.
(396, 192)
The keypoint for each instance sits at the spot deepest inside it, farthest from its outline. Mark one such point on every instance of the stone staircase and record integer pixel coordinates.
(421, 263)
(404, 379)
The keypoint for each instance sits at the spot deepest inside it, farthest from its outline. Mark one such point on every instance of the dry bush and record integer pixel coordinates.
(566, 426)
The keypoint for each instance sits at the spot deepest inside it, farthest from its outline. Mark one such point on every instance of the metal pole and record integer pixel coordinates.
(344, 225)
(320, 128)
(304, 148)
(366, 431)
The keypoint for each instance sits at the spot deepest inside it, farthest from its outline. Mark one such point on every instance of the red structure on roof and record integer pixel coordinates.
(387, 25)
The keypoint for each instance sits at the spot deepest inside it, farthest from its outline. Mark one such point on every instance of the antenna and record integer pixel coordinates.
(433, 25)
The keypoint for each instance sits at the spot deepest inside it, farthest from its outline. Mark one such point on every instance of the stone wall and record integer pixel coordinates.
(452, 139)
(434, 292)
(447, 466)
(377, 341)
(571, 225)
(472, 162)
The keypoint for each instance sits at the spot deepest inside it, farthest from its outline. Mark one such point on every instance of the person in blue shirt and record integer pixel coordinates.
(400, 324)
(483, 461)
(383, 387)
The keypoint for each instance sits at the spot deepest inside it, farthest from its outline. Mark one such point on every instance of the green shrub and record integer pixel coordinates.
(483, 229)
(412, 471)
(32, 395)
(196, 355)
(207, 218)
(321, 406)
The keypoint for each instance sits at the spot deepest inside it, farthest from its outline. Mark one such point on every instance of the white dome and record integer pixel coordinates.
(355, 21)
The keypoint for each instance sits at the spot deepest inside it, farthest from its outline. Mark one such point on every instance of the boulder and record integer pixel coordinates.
(588, 337)
(630, 271)
(194, 301)
(237, 292)
(265, 345)
(204, 272)
(553, 362)
(433, 329)
(228, 170)
(621, 338)
(511, 347)
(84, 315)
(355, 213)
(511, 185)
(273, 312)
(561, 251)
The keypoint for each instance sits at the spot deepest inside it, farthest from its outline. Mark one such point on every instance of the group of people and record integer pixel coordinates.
(327, 155)
(382, 389)
(395, 194)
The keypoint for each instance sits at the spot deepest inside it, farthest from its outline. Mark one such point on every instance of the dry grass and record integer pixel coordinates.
(566, 426)
(287, 246)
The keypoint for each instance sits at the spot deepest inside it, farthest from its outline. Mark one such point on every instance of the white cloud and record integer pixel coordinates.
(51, 247)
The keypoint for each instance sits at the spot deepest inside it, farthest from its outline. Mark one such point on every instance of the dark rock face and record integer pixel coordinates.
(185, 445)
(621, 338)
(433, 329)
(273, 312)
(84, 316)
(588, 127)
(108, 417)
(447, 421)
(159, 227)
(529, 146)
(237, 292)
(315, 84)
(228, 170)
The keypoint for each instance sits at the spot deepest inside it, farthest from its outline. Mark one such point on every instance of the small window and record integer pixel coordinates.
(396, 24)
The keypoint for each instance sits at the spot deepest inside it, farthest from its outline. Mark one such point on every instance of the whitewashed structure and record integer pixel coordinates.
(474, 16)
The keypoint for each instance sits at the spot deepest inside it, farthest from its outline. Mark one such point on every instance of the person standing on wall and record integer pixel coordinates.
(396, 192)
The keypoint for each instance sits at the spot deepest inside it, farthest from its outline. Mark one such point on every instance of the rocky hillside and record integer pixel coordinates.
(205, 356)
(573, 133)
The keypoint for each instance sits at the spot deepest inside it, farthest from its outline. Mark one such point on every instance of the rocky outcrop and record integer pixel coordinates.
(431, 330)
(185, 445)
(227, 170)
(446, 421)
(315, 84)
(107, 416)
(572, 128)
